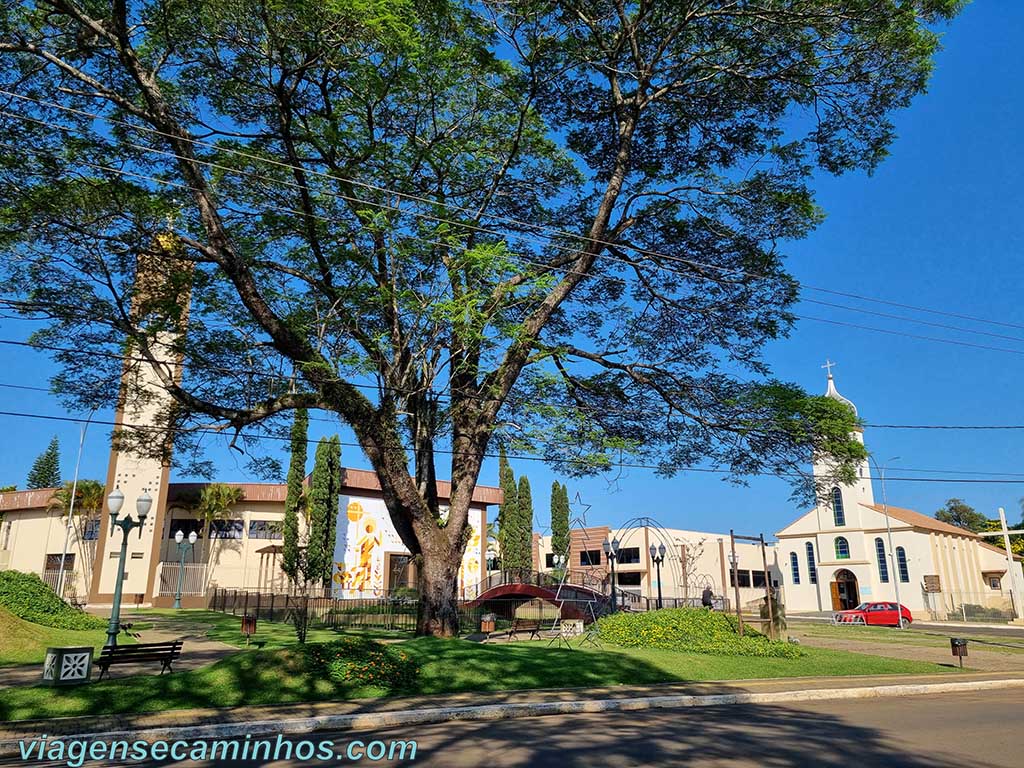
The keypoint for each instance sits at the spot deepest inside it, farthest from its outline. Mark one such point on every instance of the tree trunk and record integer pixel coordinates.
(438, 613)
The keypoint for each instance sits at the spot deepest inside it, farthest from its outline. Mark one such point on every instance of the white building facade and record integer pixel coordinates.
(851, 549)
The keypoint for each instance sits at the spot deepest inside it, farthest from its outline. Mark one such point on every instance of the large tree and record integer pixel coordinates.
(559, 519)
(961, 514)
(446, 217)
(295, 499)
(324, 490)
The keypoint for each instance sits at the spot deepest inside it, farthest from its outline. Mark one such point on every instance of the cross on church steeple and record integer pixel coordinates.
(828, 366)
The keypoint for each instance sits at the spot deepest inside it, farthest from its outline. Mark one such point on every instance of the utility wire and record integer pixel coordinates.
(518, 457)
(553, 232)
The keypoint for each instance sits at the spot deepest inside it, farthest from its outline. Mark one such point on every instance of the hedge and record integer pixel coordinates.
(29, 598)
(694, 630)
(353, 662)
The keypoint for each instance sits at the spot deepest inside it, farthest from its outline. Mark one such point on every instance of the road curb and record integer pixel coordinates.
(377, 720)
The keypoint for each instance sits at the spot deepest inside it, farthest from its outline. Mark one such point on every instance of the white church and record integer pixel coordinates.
(850, 549)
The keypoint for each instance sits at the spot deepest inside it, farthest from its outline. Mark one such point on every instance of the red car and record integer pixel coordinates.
(883, 614)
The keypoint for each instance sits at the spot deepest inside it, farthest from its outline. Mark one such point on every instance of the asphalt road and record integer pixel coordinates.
(943, 731)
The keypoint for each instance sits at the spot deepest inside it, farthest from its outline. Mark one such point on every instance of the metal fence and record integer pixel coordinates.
(193, 580)
(977, 607)
(52, 579)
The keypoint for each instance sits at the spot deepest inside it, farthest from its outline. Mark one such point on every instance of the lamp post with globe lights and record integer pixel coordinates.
(179, 539)
(611, 554)
(658, 557)
(114, 503)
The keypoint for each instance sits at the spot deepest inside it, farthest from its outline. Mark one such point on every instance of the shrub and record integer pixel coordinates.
(355, 662)
(693, 630)
(29, 598)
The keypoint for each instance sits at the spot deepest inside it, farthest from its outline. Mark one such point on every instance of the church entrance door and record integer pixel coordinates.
(845, 593)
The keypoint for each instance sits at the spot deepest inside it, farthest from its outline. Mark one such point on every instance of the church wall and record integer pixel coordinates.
(27, 537)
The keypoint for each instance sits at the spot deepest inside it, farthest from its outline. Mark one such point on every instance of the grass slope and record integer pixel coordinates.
(446, 666)
(22, 642)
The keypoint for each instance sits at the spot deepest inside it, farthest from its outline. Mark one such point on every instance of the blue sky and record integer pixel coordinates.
(937, 226)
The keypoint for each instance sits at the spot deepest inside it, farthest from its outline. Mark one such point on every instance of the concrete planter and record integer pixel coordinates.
(67, 666)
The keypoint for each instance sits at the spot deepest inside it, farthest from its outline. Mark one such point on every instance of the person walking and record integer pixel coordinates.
(706, 598)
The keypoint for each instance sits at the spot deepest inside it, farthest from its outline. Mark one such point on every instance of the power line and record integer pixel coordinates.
(518, 457)
(553, 232)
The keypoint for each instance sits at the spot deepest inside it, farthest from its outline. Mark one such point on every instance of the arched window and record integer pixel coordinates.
(883, 566)
(837, 508)
(901, 564)
(794, 567)
(812, 569)
(842, 548)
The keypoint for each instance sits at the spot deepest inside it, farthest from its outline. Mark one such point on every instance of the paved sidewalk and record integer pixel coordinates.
(186, 718)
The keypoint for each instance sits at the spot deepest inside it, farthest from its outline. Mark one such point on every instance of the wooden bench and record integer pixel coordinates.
(525, 625)
(166, 653)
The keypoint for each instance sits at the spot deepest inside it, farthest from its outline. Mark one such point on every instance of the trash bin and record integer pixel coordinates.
(248, 627)
(67, 665)
(487, 623)
(958, 645)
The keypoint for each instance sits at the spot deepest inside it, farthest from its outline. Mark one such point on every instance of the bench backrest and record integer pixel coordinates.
(172, 647)
(526, 623)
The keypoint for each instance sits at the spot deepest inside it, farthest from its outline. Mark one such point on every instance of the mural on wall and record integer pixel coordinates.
(365, 535)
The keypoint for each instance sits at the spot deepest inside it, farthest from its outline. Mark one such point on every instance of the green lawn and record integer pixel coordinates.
(269, 634)
(22, 642)
(277, 676)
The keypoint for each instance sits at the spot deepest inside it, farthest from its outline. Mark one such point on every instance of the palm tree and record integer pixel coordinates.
(90, 497)
(216, 502)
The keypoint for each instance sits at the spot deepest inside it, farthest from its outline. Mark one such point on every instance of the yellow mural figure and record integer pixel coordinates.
(361, 577)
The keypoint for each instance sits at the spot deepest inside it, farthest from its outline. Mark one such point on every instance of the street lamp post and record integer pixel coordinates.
(658, 556)
(894, 566)
(611, 553)
(179, 539)
(114, 503)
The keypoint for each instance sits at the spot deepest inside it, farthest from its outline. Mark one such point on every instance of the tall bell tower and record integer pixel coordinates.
(140, 455)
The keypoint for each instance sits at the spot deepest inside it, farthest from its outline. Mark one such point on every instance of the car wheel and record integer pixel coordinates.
(860, 620)
(904, 623)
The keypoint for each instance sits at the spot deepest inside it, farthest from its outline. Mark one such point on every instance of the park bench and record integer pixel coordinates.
(166, 653)
(532, 626)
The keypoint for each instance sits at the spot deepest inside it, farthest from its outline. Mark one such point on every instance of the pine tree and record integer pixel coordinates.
(559, 519)
(294, 501)
(524, 526)
(507, 511)
(325, 487)
(45, 472)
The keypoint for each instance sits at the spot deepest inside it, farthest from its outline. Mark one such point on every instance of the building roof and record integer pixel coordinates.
(353, 480)
(918, 520)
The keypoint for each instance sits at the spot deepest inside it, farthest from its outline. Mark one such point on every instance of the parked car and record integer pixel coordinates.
(880, 614)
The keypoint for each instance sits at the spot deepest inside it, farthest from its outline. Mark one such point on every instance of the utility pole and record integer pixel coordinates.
(893, 565)
(768, 591)
(736, 579)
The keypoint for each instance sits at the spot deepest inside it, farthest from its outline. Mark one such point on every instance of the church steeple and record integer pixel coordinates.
(831, 391)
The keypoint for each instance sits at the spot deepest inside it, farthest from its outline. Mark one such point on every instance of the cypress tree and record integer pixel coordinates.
(559, 519)
(507, 511)
(294, 501)
(524, 526)
(325, 487)
(45, 472)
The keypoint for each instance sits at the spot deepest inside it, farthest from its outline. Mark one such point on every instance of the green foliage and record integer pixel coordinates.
(29, 598)
(507, 512)
(961, 514)
(692, 630)
(355, 662)
(295, 499)
(522, 532)
(559, 518)
(325, 488)
(45, 472)
(8, 488)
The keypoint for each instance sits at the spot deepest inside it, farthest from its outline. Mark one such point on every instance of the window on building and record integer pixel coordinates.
(994, 582)
(901, 564)
(186, 525)
(883, 566)
(226, 529)
(7, 535)
(629, 555)
(53, 562)
(812, 569)
(91, 529)
(549, 560)
(266, 529)
(842, 548)
(628, 579)
(401, 572)
(744, 577)
(838, 513)
(794, 567)
(760, 578)
(590, 557)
